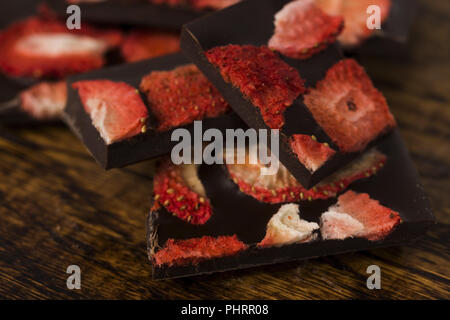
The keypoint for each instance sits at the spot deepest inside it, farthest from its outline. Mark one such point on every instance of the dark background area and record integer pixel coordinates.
(58, 207)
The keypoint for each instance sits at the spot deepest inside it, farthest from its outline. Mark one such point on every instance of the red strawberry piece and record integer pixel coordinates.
(45, 100)
(339, 226)
(357, 215)
(303, 29)
(266, 80)
(181, 252)
(182, 95)
(283, 187)
(46, 48)
(348, 107)
(355, 17)
(145, 44)
(286, 227)
(116, 108)
(310, 153)
(181, 192)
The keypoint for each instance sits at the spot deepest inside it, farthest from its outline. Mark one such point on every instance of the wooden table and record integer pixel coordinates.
(58, 208)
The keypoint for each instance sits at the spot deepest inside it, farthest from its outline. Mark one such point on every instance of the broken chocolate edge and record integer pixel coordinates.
(228, 201)
(143, 146)
(410, 201)
(252, 116)
(256, 257)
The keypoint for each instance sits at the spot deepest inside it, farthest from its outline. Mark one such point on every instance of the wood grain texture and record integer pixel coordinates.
(57, 208)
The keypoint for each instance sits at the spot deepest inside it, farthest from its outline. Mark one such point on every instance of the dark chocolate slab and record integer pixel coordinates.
(395, 186)
(252, 23)
(132, 13)
(14, 115)
(143, 146)
(9, 104)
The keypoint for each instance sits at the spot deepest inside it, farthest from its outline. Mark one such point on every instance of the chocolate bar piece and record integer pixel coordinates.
(121, 125)
(204, 220)
(320, 130)
(133, 13)
(10, 111)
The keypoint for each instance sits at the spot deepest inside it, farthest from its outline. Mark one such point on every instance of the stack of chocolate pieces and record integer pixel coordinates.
(160, 95)
(37, 53)
(345, 182)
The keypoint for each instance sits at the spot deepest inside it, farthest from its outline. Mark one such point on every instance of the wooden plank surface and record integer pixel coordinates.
(58, 208)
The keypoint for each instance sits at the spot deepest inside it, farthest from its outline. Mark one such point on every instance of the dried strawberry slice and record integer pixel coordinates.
(182, 95)
(355, 17)
(45, 100)
(283, 187)
(38, 47)
(348, 107)
(302, 29)
(181, 192)
(181, 252)
(357, 215)
(310, 153)
(285, 227)
(266, 80)
(145, 44)
(116, 108)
